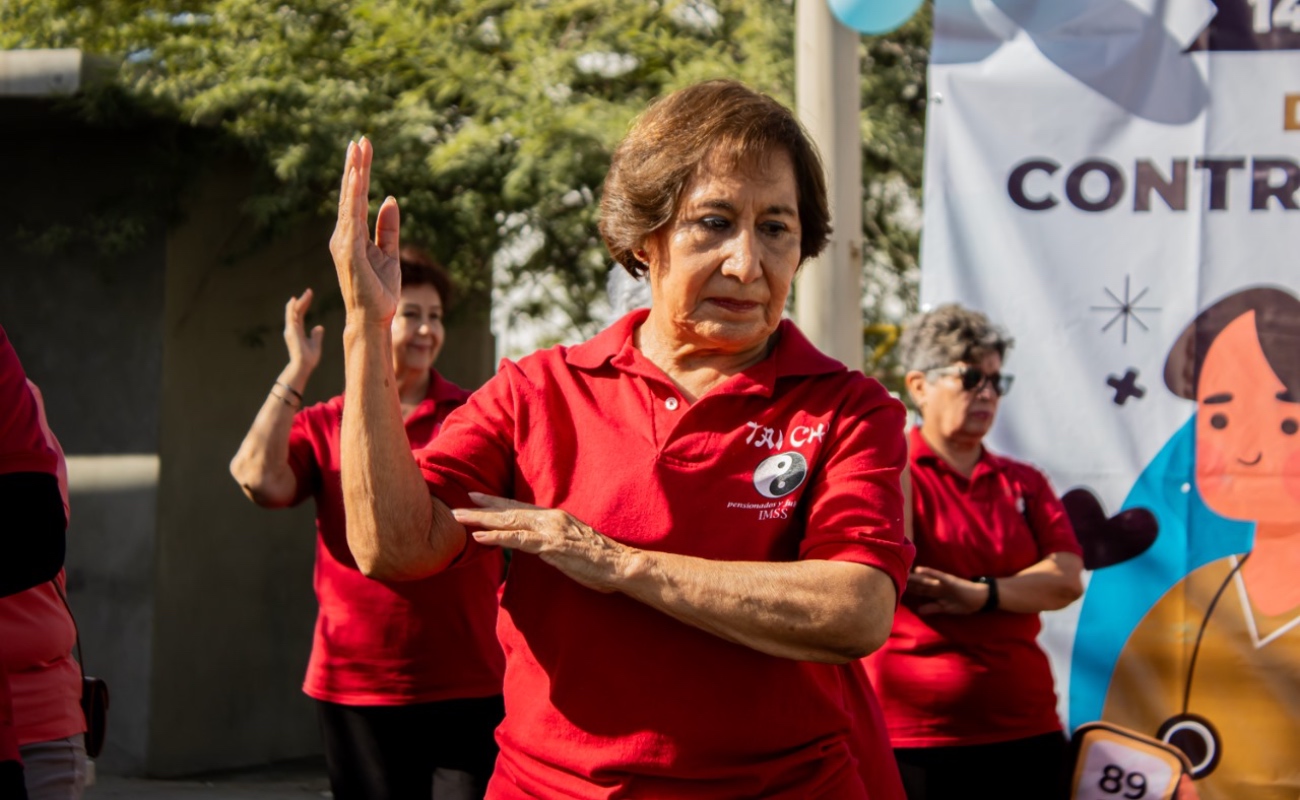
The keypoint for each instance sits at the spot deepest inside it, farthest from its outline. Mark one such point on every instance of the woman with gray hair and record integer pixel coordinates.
(967, 693)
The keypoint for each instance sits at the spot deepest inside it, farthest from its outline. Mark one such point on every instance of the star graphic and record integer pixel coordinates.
(1125, 310)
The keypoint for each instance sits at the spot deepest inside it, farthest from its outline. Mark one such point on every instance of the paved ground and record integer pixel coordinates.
(297, 781)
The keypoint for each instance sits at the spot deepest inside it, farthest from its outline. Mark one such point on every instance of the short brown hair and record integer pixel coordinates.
(669, 143)
(1277, 324)
(419, 269)
(949, 334)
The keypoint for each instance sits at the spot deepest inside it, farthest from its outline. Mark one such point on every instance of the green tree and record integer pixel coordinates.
(493, 120)
(894, 95)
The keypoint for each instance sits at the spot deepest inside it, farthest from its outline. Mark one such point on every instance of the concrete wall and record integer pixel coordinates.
(194, 604)
(110, 569)
(233, 601)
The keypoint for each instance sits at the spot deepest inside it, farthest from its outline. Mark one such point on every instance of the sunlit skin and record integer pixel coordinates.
(417, 340)
(954, 421)
(720, 271)
(1248, 459)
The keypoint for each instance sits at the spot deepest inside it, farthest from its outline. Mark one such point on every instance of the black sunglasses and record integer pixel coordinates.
(973, 378)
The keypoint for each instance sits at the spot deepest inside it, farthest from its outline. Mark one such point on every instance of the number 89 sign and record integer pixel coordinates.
(1114, 764)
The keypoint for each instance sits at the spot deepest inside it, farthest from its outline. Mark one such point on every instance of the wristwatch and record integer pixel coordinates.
(992, 603)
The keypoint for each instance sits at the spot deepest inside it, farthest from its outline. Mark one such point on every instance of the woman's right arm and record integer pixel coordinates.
(261, 466)
(396, 530)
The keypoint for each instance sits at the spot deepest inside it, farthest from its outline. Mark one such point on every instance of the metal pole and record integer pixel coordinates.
(828, 296)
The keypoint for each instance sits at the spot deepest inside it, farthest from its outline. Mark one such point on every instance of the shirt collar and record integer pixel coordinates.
(919, 447)
(601, 348)
(920, 450)
(792, 356)
(440, 391)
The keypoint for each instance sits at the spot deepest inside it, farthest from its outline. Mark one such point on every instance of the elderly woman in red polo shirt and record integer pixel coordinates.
(705, 511)
(407, 676)
(967, 693)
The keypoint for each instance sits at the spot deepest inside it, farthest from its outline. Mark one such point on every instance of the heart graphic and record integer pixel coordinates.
(1108, 541)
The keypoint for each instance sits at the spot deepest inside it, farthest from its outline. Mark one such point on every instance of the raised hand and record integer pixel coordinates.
(304, 349)
(369, 272)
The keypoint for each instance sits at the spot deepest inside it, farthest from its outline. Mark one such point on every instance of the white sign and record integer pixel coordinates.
(1098, 174)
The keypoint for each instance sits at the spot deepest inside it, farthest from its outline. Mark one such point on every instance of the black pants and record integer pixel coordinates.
(1023, 769)
(12, 785)
(391, 752)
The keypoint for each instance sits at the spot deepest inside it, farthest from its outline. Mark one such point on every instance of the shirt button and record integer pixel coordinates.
(671, 404)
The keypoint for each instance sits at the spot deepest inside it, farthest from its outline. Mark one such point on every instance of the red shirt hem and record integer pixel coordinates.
(994, 737)
(487, 689)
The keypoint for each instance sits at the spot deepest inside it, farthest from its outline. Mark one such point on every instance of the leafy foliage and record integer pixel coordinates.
(894, 95)
(493, 120)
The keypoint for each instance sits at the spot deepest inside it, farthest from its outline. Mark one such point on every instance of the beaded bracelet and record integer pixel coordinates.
(290, 390)
(285, 400)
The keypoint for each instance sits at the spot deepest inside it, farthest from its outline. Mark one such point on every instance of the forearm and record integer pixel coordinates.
(395, 530)
(811, 610)
(1049, 585)
(261, 466)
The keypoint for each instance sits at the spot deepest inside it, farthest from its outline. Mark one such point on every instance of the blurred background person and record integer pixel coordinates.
(406, 674)
(32, 547)
(39, 633)
(967, 693)
(705, 511)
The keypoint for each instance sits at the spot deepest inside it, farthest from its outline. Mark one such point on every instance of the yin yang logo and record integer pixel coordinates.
(780, 475)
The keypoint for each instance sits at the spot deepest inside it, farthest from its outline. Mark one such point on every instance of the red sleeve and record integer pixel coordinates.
(61, 465)
(310, 425)
(475, 449)
(855, 510)
(1047, 518)
(22, 442)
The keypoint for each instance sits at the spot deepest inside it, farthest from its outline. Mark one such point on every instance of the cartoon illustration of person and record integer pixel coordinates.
(1214, 665)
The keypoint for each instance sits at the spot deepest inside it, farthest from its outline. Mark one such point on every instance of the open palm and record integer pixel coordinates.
(304, 348)
(369, 272)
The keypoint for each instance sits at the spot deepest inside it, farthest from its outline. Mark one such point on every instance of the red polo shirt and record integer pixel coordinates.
(38, 635)
(963, 679)
(871, 737)
(795, 458)
(376, 643)
(22, 442)
(22, 449)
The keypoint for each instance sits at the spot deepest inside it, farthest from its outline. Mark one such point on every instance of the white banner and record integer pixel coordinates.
(1099, 174)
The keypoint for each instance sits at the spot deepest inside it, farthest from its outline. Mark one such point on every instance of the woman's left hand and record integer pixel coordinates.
(944, 593)
(557, 537)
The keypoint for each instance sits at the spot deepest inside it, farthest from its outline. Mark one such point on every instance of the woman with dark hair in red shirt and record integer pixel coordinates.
(406, 675)
(705, 511)
(967, 693)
